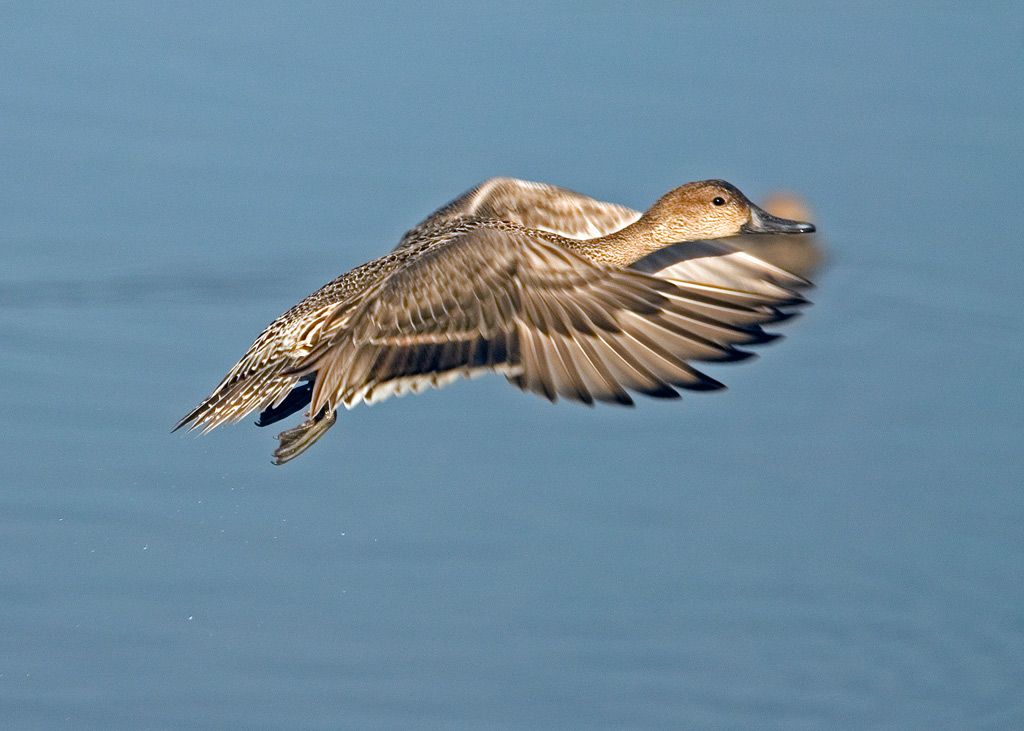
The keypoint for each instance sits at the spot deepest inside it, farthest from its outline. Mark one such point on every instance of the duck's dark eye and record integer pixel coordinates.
(719, 201)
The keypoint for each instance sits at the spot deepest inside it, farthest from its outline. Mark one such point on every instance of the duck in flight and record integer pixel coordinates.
(564, 295)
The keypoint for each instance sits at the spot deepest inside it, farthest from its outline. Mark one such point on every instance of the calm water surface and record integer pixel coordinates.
(834, 543)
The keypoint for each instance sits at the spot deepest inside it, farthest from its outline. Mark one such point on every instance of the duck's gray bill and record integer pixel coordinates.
(762, 222)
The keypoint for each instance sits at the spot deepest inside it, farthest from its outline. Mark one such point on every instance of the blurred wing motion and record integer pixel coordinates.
(730, 274)
(536, 206)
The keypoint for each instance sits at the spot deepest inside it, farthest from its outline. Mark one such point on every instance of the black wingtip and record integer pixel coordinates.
(661, 390)
(758, 336)
(707, 384)
(780, 316)
(616, 399)
(732, 355)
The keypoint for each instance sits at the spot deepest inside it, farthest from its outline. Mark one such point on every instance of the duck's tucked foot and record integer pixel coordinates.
(296, 441)
(294, 401)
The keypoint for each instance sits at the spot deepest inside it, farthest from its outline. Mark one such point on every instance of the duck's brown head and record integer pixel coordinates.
(711, 209)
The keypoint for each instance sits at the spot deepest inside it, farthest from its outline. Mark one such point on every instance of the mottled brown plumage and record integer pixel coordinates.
(494, 282)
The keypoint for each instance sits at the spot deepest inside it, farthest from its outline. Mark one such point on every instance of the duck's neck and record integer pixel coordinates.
(626, 245)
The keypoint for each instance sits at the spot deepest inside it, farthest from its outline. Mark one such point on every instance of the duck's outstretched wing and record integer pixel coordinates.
(500, 299)
(533, 205)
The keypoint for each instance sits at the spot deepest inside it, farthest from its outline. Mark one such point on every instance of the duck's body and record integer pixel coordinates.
(527, 280)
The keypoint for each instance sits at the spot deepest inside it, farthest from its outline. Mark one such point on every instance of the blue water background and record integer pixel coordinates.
(837, 542)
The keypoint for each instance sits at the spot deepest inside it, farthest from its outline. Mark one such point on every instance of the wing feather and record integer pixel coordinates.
(720, 264)
(533, 205)
(496, 298)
